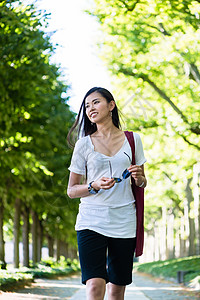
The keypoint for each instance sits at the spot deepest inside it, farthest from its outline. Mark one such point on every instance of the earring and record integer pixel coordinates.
(111, 113)
(92, 123)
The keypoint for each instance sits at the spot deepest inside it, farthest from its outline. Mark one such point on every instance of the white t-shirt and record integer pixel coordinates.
(109, 212)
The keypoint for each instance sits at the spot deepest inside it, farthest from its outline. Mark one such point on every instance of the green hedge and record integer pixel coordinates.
(169, 268)
(48, 268)
(9, 279)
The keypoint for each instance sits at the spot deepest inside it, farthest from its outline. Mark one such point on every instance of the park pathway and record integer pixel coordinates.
(144, 287)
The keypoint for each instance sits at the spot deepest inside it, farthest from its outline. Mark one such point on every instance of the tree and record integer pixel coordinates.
(151, 49)
(159, 50)
(34, 119)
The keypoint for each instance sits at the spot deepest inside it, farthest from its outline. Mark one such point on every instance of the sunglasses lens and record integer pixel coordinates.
(117, 180)
(126, 174)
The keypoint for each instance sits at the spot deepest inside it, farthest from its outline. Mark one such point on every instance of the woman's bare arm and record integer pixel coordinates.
(76, 189)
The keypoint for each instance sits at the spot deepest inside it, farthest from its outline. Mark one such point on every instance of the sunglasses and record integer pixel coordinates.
(125, 174)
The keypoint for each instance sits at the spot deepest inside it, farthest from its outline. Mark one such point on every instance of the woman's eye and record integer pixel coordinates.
(95, 102)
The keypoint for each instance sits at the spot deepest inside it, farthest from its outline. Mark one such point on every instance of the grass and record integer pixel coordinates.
(169, 268)
(49, 268)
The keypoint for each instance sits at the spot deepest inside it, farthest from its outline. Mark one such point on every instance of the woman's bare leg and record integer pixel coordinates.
(115, 292)
(95, 289)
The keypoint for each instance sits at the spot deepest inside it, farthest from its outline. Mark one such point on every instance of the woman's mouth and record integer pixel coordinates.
(92, 115)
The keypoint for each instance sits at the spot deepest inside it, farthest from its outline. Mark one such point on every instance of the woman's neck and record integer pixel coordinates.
(106, 130)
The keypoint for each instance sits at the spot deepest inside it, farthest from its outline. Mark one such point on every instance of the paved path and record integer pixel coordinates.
(132, 292)
(145, 287)
(155, 288)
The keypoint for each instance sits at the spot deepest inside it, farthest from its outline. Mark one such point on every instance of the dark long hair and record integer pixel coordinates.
(83, 124)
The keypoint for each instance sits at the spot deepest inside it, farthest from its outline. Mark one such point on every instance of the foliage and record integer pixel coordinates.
(34, 121)
(11, 277)
(42, 271)
(169, 268)
(49, 267)
(152, 51)
(62, 263)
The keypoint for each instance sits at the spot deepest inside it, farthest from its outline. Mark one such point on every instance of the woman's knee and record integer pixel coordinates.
(95, 288)
(116, 291)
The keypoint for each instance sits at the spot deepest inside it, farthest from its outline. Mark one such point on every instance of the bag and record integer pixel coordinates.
(139, 201)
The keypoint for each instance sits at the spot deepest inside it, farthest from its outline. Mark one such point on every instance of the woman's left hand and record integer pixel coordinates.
(137, 172)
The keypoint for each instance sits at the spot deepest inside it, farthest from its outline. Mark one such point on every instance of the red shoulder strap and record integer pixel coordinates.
(139, 201)
(130, 138)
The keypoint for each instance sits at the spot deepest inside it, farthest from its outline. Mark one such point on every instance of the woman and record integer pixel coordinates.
(106, 222)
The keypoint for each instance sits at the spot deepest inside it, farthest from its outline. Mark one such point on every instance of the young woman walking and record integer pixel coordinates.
(109, 224)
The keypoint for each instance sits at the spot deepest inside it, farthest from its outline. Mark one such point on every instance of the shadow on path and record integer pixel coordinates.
(62, 288)
(144, 287)
(156, 288)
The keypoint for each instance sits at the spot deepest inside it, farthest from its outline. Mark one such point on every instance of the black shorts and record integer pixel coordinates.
(105, 257)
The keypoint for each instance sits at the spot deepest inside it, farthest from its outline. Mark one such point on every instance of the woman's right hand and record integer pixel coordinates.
(104, 183)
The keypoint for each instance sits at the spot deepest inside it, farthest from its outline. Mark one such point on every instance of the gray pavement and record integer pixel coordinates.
(156, 288)
(132, 292)
(70, 288)
(146, 287)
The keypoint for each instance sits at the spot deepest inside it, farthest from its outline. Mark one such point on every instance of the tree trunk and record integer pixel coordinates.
(70, 252)
(186, 227)
(177, 245)
(162, 233)
(34, 237)
(66, 250)
(149, 251)
(16, 231)
(196, 177)
(74, 253)
(57, 249)
(156, 244)
(190, 219)
(50, 245)
(170, 236)
(40, 239)
(26, 236)
(2, 243)
(183, 251)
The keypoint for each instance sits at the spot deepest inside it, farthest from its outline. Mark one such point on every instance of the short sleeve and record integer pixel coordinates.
(139, 152)
(78, 161)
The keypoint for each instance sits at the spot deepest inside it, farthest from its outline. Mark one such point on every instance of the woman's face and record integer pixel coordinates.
(97, 108)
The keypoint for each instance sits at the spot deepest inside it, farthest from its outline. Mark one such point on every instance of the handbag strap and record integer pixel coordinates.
(139, 201)
(130, 138)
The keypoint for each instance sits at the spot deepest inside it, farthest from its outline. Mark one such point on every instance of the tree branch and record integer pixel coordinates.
(161, 29)
(195, 72)
(192, 67)
(186, 140)
(129, 7)
(195, 129)
(162, 94)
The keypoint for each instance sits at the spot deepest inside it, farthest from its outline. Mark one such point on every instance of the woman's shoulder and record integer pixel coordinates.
(135, 135)
(82, 141)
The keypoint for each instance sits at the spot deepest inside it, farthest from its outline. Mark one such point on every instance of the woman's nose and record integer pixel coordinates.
(91, 106)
